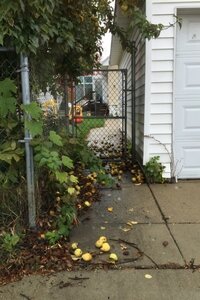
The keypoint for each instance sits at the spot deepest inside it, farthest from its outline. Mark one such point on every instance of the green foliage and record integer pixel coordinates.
(63, 223)
(52, 236)
(56, 33)
(134, 12)
(154, 170)
(77, 149)
(48, 154)
(7, 99)
(33, 120)
(11, 152)
(52, 164)
(9, 242)
(55, 138)
(33, 110)
(104, 178)
(67, 162)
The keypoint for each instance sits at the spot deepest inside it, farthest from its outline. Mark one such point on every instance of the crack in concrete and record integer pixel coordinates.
(165, 219)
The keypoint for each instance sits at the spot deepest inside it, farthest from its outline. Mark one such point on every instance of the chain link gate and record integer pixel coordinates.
(98, 112)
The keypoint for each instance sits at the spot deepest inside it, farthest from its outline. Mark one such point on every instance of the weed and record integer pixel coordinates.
(154, 170)
(9, 242)
(64, 223)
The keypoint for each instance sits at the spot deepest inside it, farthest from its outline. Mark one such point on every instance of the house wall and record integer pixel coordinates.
(159, 72)
(113, 93)
(126, 62)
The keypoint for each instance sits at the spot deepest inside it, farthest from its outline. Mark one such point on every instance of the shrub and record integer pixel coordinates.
(154, 170)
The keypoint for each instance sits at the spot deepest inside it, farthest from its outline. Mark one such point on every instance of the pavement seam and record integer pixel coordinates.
(166, 223)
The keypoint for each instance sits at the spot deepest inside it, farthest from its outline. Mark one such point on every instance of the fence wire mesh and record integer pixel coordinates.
(9, 64)
(97, 112)
(9, 68)
(12, 199)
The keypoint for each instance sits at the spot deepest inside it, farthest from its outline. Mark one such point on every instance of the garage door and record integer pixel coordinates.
(187, 98)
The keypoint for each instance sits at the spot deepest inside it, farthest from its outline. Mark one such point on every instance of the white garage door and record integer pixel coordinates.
(187, 98)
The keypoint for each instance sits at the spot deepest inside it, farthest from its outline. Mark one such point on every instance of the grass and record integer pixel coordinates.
(84, 128)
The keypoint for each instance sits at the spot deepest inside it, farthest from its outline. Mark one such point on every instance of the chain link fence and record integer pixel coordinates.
(13, 204)
(94, 109)
(97, 112)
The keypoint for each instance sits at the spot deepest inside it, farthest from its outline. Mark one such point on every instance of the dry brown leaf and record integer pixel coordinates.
(129, 223)
(110, 209)
(123, 247)
(75, 258)
(133, 222)
(126, 229)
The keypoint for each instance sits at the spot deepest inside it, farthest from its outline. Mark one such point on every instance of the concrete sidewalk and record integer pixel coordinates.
(154, 231)
(167, 229)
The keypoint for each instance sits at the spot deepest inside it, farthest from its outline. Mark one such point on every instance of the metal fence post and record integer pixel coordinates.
(28, 148)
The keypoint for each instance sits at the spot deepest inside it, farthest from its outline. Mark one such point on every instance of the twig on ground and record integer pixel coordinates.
(78, 278)
(26, 297)
(137, 248)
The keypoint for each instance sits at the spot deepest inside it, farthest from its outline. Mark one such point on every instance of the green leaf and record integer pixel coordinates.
(71, 190)
(1, 39)
(22, 5)
(7, 102)
(8, 157)
(73, 179)
(62, 176)
(33, 110)
(67, 162)
(63, 230)
(52, 236)
(35, 128)
(7, 87)
(6, 147)
(13, 145)
(55, 138)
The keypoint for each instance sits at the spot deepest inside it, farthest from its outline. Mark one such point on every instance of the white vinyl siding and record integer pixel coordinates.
(161, 89)
(159, 121)
(154, 74)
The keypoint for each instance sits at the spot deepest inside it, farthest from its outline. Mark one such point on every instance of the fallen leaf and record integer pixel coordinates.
(129, 223)
(75, 258)
(138, 183)
(133, 222)
(148, 276)
(110, 209)
(126, 229)
(123, 247)
(87, 203)
(131, 209)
